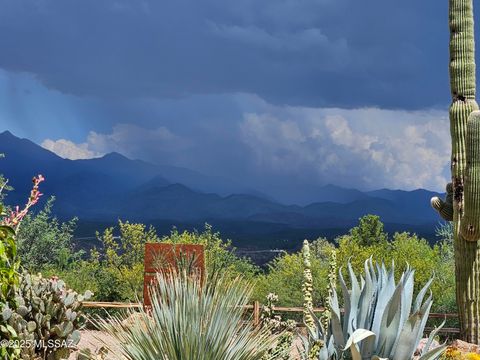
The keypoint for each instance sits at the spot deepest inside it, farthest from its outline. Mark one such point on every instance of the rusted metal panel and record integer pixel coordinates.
(161, 257)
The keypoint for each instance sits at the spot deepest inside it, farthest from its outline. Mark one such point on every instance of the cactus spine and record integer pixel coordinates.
(462, 205)
(307, 287)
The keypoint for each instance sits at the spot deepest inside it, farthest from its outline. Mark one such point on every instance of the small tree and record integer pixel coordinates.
(369, 231)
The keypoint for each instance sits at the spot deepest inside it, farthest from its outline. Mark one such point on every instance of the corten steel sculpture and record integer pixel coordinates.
(462, 203)
(161, 257)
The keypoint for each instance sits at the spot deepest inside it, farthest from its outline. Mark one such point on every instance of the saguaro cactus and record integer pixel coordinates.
(462, 204)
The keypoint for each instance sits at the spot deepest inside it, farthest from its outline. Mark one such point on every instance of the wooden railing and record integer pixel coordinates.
(256, 309)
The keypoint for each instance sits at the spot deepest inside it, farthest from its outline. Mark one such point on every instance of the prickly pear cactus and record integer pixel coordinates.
(46, 317)
(462, 204)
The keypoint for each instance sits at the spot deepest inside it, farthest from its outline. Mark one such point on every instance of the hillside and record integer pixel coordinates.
(104, 189)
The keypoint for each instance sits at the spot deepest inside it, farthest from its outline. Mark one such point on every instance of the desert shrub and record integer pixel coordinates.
(284, 276)
(404, 249)
(46, 317)
(44, 242)
(114, 271)
(189, 321)
(9, 266)
(220, 255)
(89, 275)
(119, 267)
(276, 325)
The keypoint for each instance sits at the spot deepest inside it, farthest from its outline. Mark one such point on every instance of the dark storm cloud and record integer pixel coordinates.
(295, 93)
(345, 53)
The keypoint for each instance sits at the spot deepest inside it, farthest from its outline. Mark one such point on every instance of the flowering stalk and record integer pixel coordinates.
(307, 287)
(332, 281)
(16, 216)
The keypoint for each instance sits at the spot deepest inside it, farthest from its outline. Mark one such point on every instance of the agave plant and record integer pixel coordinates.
(381, 319)
(190, 321)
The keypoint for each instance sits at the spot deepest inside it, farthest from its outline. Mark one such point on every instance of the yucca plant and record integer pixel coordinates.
(381, 319)
(189, 321)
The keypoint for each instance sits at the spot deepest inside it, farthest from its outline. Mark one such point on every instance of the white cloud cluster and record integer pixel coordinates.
(372, 147)
(69, 150)
(128, 139)
(367, 148)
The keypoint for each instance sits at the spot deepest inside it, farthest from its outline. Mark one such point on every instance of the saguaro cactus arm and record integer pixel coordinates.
(470, 224)
(444, 208)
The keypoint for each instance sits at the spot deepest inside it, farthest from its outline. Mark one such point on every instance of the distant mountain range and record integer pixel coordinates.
(101, 190)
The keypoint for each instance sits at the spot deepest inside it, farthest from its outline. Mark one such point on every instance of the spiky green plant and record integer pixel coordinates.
(381, 319)
(307, 287)
(189, 321)
(462, 204)
(395, 323)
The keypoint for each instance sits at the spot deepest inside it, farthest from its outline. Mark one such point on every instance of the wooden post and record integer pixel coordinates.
(256, 313)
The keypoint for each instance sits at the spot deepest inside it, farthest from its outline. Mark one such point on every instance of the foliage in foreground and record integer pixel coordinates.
(381, 319)
(46, 317)
(284, 276)
(44, 242)
(115, 271)
(276, 325)
(188, 319)
(9, 261)
(368, 239)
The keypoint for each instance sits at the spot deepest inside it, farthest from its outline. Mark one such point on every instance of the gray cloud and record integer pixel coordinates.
(284, 92)
(308, 53)
(366, 148)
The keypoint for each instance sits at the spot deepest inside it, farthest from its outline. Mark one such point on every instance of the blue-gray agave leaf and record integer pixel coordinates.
(385, 308)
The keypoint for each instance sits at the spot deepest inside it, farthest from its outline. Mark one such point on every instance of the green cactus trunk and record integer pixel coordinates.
(462, 205)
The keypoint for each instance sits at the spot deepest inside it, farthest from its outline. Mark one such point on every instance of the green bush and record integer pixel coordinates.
(44, 242)
(114, 272)
(405, 250)
(220, 255)
(284, 276)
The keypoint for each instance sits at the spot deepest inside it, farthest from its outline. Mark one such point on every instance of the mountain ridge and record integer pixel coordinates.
(113, 186)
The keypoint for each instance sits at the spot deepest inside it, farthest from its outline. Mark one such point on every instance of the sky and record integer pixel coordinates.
(306, 92)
